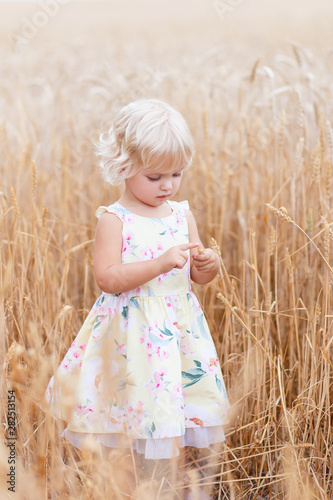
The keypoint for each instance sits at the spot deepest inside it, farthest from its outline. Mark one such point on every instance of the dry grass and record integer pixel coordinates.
(261, 186)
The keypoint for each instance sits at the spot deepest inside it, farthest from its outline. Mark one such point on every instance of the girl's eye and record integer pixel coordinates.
(158, 178)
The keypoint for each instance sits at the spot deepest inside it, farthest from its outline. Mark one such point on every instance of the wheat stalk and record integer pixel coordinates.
(282, 213)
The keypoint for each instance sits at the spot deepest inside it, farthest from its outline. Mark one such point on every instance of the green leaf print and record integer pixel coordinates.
(148, 432)
(125, 312)
(198, 363)
(134, 301)
(203, 330)
(194, 375)
(194, 334)
(192, 383)
(96, 325)
(166, 331)
(121, 385)
(218, 383)
(158, 341)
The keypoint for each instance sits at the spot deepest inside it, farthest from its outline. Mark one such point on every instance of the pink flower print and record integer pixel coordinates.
(178, 392)
(126, 218)
(112, 312)
(101, 310)
(159, 248)
(85, 410)
(161, 354)
(127, 250)
(122, 349)
(127, 237)
(102, 319)
(178, 388)
(65, 366)
(76, 354)
(156, 384)
(179, 220)
(83, 346)
(163, 277)
(159, 382)
(148, 253)
(149, 345)
(141, 340)
(210, 362)
(136, 413)
(213, 364)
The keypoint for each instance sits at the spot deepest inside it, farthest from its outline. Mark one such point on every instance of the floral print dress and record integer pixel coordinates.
(143, 369)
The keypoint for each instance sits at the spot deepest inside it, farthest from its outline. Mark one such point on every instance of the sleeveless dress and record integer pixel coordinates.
(143, 369)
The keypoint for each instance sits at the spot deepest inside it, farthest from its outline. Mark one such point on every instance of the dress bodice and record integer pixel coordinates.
(145, 238)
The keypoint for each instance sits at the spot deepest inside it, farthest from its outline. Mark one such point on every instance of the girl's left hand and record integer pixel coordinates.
(207, 261)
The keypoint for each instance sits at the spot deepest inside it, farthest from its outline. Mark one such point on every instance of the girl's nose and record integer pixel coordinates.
(166, 184)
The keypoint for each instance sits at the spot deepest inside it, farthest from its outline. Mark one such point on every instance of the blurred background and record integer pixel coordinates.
(255, 21)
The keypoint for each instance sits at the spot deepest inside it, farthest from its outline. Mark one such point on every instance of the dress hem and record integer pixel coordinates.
(198, 437)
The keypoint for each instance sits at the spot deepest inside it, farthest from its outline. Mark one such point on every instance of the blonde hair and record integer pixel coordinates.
(145, 134)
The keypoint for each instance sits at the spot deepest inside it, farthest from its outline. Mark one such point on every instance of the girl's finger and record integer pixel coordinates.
(200, 257)
(187, 246)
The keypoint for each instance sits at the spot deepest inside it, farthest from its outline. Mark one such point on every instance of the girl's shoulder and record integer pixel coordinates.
(180, 208)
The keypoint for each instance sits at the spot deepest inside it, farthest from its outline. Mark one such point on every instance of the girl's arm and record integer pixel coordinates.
(205, 266)
(114, 277)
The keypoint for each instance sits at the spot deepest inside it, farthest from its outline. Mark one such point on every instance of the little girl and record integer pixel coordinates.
(143, 370)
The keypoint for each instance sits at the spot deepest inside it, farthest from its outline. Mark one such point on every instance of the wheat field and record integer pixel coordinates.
(256, 89)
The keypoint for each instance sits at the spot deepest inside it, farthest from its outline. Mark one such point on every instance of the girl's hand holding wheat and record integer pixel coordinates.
(206, 261)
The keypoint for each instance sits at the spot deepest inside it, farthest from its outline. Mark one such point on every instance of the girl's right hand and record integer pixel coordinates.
(175, 257)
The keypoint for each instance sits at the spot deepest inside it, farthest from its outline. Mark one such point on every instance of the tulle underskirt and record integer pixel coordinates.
(199, 437)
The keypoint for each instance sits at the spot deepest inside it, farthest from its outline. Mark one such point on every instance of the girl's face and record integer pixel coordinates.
(153, 188)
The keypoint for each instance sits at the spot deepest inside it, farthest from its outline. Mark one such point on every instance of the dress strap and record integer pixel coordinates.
(112, 209)
(180, 207)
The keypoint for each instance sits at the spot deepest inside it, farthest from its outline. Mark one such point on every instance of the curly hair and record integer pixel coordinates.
(146, 133)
